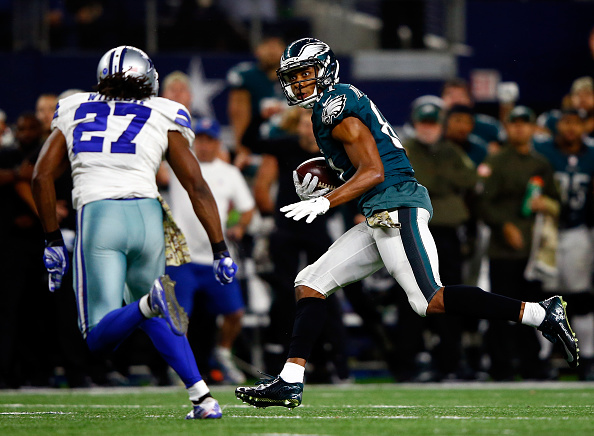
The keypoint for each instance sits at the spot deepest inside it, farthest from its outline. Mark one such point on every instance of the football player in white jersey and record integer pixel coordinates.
(115, 139)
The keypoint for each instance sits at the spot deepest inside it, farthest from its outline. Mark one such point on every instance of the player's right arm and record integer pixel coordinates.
(363, 153)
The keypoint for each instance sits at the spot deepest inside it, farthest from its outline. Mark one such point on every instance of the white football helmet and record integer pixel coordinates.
(131, 61)
(304, 53)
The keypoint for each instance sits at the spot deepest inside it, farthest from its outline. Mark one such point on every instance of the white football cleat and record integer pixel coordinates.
(208, 409)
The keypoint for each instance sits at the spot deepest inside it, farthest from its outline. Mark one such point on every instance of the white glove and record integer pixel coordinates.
(306, 190)
(310, 208)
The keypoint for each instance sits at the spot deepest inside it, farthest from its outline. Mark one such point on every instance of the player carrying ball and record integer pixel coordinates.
(363, 148)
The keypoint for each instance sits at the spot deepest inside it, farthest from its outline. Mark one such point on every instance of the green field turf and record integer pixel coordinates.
(471, 409)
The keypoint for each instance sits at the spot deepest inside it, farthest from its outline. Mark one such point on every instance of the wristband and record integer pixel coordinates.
(218, 248)
(54, 239)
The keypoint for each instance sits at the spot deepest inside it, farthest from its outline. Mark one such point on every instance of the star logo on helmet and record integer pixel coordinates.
(333, 107)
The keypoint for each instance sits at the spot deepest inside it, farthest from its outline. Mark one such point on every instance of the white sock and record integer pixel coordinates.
(198, 390)
(292, 373)
(534, 314)
(144, 307)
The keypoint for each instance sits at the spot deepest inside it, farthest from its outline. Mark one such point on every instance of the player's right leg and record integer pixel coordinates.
(106, 231)
(146, 263)
(351, 258)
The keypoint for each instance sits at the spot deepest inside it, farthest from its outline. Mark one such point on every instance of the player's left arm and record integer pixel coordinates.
(361, 148)
(51, 163)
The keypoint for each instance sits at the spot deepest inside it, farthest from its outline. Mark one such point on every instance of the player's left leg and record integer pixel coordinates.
(99, 272)
(418, 276)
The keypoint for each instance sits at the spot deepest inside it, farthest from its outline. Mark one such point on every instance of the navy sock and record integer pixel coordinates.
(114, 327)
(310, 318)
(472, 301)
(174, 349)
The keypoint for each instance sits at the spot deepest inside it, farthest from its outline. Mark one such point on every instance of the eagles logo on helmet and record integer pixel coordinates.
(305, 53)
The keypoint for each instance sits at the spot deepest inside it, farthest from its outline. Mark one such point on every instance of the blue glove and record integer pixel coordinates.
(56, 262)
(224, 268)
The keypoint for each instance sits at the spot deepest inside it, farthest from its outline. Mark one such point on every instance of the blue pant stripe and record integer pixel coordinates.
(81, 280)
(416, 253)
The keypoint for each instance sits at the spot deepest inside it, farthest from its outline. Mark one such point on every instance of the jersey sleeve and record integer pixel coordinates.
(178, 116)
(63, 114)
(338, 105)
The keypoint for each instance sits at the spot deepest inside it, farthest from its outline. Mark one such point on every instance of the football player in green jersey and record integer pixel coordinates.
(361, 146)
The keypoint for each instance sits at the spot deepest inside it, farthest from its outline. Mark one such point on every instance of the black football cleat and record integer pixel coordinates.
(556, 327)
(273, 391)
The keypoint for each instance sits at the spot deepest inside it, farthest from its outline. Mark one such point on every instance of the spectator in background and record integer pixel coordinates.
(6, 136)
(457, 92)
(289, 241)
(448, 174)
(459, 125)
(44, 111)
(196, 279)
(573, 162)
(580, 97)
(255, 96)
(509, 212)
(407, 130)
(26, 355)
(176, 87)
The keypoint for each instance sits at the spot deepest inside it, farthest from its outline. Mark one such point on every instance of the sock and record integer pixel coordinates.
(114, 327)
(145, 308)
(174, 349)
(534, 314)
(472, 301)
(292, 373)
(198, 392)
(310, 318)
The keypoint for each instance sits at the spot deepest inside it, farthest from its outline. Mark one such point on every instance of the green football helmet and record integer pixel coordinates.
(304, 53)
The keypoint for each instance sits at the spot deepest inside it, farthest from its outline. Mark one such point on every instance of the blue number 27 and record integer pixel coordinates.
(124, 143)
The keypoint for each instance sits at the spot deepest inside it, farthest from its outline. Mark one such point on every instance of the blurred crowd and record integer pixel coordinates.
(513, 212)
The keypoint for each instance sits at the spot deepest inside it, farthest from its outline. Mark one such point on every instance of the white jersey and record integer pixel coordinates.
(228, 188)
(115, 146)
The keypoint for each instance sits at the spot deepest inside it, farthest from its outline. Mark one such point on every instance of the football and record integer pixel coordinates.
(317, 166)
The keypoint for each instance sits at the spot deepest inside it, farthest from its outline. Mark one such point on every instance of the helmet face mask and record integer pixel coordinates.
(132, 62)
(300, 55)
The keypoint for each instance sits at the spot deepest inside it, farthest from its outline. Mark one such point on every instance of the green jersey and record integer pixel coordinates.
(399, 188)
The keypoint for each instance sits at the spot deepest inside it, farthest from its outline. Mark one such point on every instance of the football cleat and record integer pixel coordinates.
(272, 391)
(207, 409)
(556, 327)
(163, 302)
